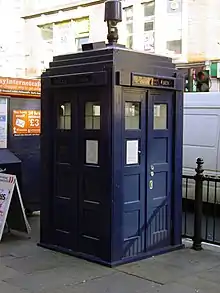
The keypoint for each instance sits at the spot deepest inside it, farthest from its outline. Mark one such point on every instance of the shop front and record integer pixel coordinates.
(20, 124)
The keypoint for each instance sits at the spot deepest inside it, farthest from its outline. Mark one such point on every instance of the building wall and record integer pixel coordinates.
(39, 53)
(11, 38)
(203, 30)
(167, 25)
(153, 40)
(195, 24)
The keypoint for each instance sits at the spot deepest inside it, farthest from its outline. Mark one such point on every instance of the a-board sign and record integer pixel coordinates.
(9, 195)
(26, 122)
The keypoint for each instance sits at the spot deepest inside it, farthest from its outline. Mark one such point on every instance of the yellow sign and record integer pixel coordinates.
(149, 81)
(142, 80)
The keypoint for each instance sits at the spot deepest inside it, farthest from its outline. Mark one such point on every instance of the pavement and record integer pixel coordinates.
(27, 268)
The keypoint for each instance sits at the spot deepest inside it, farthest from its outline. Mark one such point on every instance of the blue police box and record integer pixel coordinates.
(111, 150)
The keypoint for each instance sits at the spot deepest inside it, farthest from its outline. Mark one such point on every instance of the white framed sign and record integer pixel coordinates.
(8, 184)
(3, 123)
(132, 152)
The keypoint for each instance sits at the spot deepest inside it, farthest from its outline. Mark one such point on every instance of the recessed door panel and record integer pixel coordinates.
(159, 169)
(65, 166)
(134, 172)
(94, 170)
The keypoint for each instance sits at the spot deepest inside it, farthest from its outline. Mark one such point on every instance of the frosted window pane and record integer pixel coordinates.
(67, 122)
(96, 122)
(88, 122)
(64, 116)
(92, 115)
(61, 125)
(89, 109)
(67, 109)
(160, 116)
(132, 115)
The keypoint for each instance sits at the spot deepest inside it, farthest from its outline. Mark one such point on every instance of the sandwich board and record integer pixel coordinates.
(12, 209)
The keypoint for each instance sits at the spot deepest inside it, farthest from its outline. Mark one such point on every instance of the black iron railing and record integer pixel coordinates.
(201, 207)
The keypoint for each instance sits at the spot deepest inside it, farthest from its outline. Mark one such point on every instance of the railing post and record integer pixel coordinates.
(197, 240)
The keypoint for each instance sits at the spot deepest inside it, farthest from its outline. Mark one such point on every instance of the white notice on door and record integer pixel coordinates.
(132, 152)
(92, 152)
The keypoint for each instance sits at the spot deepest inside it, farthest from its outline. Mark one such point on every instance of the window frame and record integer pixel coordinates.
(128, 22)
(69, 115)
(173, 52)
(92, 116)
(149, 19)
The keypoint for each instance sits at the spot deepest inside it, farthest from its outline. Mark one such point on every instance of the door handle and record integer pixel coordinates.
(151, 184)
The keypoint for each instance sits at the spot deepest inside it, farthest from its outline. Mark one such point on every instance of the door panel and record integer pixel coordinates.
(159, 169)
(65, 170)
(95, 164)
(81, 171)
(134, 172)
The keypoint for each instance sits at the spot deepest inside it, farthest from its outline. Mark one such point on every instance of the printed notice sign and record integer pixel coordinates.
(132, 152)
(3, 123)
(92, 152)
(8, 186)
(26, 122)
(5, 199)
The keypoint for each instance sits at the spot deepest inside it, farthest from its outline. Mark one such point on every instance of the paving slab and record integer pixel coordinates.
(153, 270)
(21, 249)
(191, 260)
(212, 275)
(199, 284)
(7, 288)
(59, 277)
(178, 288)
(114, 283)
(34, 263)
(6, 272)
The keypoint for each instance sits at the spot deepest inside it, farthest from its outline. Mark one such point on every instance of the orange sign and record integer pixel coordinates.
(26, 122)
(20, 87)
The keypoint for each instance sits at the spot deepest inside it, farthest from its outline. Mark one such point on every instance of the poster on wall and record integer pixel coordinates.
(26, 122)
(3, 123)
(63, 37)
(149, 41)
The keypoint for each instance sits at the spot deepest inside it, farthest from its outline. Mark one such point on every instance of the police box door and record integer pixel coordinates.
(159, 169)
(81, 149)
(65, 176)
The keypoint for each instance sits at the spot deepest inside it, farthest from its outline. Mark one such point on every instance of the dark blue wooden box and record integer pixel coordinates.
(111, 155)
